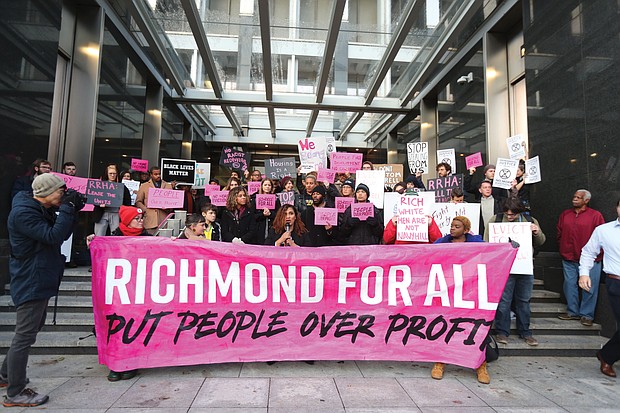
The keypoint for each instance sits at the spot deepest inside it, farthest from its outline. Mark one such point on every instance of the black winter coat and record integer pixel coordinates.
(357, 232)
(243, 227)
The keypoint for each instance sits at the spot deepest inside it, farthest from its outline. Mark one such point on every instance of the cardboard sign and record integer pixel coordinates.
(106, 193)
(326, 175)
(499, 232)
(218, 198)
(165, 198)
(265, 201)
(342, 203)
(325, 216)
(209, 189)
(443, 213)
(532, 171)
(140, 165)
(234, 159)
(345, 161)
(443, 186)
(280, 167)
(247, 303)
(516, 147)
(313, 151)
(393, 173)
(392, 199)
(183, 171)
(77, 183)
(412, 223)
(362, 210)
(133, 187)
(253, 187)
(286, 198)
(417, 156)
(474, 160)
(375, 181)
(202, 175)
(447, 156)
(505, 172)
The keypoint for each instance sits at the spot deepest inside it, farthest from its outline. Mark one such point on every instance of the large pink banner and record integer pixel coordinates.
(159, 302)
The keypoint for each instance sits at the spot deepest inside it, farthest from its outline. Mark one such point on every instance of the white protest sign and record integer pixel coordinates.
(202, 176)
(505, 172)
(412, 224)
(65, 248)
(520, 232)
(330, 145)
(312, 151)
(444, 212)
(516, 147)
(417, 156)
(133, 187)
(391, 200)
(532, 170)
(375, 181)
(447, 156)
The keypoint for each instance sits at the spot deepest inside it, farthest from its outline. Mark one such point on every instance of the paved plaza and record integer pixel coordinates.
(518, 384)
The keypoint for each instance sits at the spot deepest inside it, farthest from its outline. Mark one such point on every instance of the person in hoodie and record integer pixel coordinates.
(353, 230)
(36, 266)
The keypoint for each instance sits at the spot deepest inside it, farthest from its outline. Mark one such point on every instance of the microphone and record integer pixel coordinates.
(287, 228)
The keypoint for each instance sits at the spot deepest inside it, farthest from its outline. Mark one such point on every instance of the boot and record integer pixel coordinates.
(437, 371)
(483, 374)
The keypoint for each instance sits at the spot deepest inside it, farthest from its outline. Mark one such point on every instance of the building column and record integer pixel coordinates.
(392, 147)
(188, 137)
(76, 87)
(151, 132)
(429, 131)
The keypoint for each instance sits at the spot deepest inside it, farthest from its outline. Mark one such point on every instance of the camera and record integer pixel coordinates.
(74, 198)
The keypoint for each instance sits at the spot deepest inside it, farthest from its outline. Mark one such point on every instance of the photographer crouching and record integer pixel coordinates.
(36, 267)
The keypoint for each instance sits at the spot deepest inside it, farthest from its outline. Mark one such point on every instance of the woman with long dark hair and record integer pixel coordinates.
(106, 217)
(288, 229)
(264, 216)
(238, 223)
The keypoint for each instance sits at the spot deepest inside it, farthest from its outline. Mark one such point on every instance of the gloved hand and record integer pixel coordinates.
(237, 241)
(74, 199)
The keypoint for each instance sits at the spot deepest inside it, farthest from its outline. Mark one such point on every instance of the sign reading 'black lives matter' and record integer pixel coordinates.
(183, 171)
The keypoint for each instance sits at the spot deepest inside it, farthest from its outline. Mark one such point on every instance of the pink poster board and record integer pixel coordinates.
(216, 302)
(325, 216)
(345, 161)
(140, 165)
(265, 201)
(326, 175)
(164, 198)
(77, 183)
(363, 210)
(343, 202)
(218, 198)
(473, 160)
(253, 187)
(209, 189)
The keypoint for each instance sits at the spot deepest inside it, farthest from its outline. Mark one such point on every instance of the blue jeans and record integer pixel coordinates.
(571, 290)
(518, 287)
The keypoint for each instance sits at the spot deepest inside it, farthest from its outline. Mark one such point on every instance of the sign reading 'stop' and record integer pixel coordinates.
(183, 171)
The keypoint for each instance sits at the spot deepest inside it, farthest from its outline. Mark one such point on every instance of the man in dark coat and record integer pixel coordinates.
(358, 232)
(36, 267)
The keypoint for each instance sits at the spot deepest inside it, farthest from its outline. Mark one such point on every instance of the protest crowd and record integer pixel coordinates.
(311, 208)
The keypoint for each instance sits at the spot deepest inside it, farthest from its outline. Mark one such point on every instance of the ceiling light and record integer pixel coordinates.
(593, 154)
(124, 155)
(107, 140)
(266, 146)
(573, 161)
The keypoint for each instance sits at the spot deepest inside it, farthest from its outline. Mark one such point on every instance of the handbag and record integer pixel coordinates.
(491, 349)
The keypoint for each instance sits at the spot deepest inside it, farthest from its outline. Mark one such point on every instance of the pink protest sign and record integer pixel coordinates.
(164, 198)
(158, 302)
(209, 189)
(265, 201)
(253, 187)
(286, 198)
(140, 165)
(363, 210)
(77, 183)
(343, 202)
(218, 198)
(345, 162)
(325, 216)
(326, 175)
(474, 160)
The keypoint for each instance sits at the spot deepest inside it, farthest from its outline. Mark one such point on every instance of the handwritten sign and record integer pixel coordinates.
(393, 173)
(280, 167)
(313, 151)
(447, 156)
(417, 156)
(133, 187)
(140, 165)
(443, 186)
(106, 193)
(326, 175)
(516, 147)
(505, 172)
(375, 181)
(532, 171)
(362, 210)
(412, 222)
(209, 189)
(345, 161)
(522, 233)
(325, 216)
(234, 159)
(77, 183)
(443, 213)
(253, 187)
(330, 144)
(218, 198)
(342, 203)
(165, 198)
(202, 175)
(474, 160)
(286, 198)
(265, 201)
(183, 171)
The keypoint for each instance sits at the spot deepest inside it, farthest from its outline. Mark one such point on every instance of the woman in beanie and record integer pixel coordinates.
(459, 232)
(106, 217)
(355, 231)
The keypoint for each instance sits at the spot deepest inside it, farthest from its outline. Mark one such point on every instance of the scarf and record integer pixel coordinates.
(130, 232)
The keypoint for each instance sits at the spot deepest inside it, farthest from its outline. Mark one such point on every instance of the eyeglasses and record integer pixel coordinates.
(138, 218)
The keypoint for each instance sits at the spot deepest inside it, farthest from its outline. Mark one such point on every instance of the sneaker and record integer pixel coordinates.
(530, 341)
(501, 339)
(4, 382)
(483, 374)
(586, 322)
(27, 398)
(437, 371)
(566, 316)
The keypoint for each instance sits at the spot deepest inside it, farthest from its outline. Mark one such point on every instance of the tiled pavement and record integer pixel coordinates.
(518, 384)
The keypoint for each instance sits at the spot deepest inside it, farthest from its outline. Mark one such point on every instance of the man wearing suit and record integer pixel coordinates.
(152, 216)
